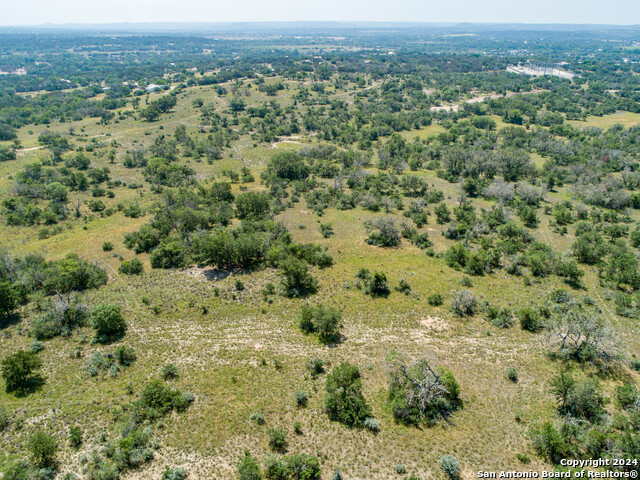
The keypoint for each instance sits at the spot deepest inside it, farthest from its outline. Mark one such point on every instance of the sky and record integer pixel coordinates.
(36, 12)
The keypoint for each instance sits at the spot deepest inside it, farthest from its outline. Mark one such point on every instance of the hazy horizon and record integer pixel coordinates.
(42, 13)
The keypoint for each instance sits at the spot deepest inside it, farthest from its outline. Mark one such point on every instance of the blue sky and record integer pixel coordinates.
(34, 12)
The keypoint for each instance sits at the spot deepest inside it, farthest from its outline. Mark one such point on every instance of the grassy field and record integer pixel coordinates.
(246, 355)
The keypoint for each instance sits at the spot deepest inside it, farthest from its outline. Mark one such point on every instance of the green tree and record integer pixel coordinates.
(18, 369)
(296, 279)
(107, 321)
(43, 449)
(9, 298)
(249, 468)
(344, 401)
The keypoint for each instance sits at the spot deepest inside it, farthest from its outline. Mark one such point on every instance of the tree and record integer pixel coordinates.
(321, 320)
(295, 277)
(304, 467)
(383, 233)
(249, 468)
(344, 401)
(18, 369)
(582, 336)
(253, 205)
(107, 321)
(9, 298)
(419, 393)
(589, 248)
(237, 104)
(43, 449)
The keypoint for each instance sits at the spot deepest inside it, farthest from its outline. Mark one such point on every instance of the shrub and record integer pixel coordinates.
(377, 285)
(401, 469)
(249, 468)
(418, 393)
(9, 298)
(435, 300)
(277, 440)
(464, 303)
(43, 449)
(125, 355)
(296, 279)
(174, 474)
(107, 321)
(512, 374)
(304, 467)
(321, 320)
(18, 369)
(315, 366)
(301, 399)
(131, 267)
(383, 233)
(75, 436)
(258, 418)
(276, 468)
(344, 401)
(530, 319)
(503, 318)
(5, 419)
(62, 318)
(169, 371)
(372, 424)
(403, 287)
(548, 442)
(157, 399)
(326, 230)
(169, 254)
(450, 466)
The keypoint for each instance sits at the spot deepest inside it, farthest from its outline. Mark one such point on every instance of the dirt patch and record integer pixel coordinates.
(436, 324)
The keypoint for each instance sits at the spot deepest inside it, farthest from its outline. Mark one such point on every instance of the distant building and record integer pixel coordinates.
(152, 87)
(540, 71)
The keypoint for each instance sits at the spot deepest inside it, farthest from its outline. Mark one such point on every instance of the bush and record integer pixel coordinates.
(9, 298)
(277, 440)
(403, 287)
(125, 355)
(450, 466)
(169, 371)
(304, 467)
(174, 474)
(296, 279)
(249, 468)
(326, 230)
(383, 233)
(376, 285)
(258, 418)
(372, 424)
(344, 401)
(157, 399)
(530, 319)
(301, 399)
(418, 393)
(107, 246)
(18, 370)
(548, 442)
(321, 320)
(435, 300)
(62, 318)
(131, 267)
(43, 449)
(512, 374)
(5, 419)
(315, 366)
(107, 321)
(75, 437)
(464, 303)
